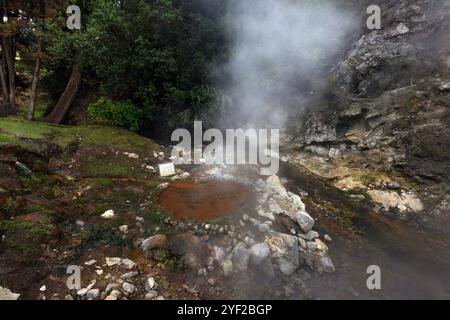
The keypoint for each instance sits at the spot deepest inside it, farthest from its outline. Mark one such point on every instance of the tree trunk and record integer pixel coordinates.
(65, 101)
(35, 82)
(7, 44)
(3, 81)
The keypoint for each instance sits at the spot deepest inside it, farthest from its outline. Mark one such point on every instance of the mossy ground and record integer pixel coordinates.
(53, 216)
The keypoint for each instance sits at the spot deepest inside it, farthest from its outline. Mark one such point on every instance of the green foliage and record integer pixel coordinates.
(156, 55)
(121, 114)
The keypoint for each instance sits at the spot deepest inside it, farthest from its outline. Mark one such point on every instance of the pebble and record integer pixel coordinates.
(211, 282)
(90, 262)
(108, 214)
(112, 261)
(116, 293)
(150, 284)
(129, 275)
(128, 287)
(128, 263)
(93, 294)
(151, 295)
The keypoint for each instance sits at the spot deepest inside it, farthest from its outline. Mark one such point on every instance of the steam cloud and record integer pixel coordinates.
(280, 48)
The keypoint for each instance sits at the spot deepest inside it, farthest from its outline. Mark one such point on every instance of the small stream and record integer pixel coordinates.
(414, 262)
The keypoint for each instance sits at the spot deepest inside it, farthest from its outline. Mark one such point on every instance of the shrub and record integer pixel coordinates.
(121, 114)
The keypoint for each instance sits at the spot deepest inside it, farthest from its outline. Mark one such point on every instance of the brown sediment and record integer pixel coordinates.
(204, 200)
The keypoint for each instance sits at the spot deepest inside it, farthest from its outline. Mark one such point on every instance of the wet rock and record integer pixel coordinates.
(190, 249)
(284, 251)
(241, 256)
(227, 267)
(311, 235)
(326, 264)
(263, 228)
(218, 254)
(259, 252)
(158, 241)
(303, 219)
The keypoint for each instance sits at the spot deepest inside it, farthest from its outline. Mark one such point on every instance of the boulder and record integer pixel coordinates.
(241, 256)
(158, 241)
(284, 251)
(6, 294)
(258, 253)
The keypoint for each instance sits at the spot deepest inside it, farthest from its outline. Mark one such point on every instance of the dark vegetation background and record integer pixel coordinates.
(146, 65)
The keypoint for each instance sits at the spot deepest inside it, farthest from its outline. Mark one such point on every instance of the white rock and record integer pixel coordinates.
(151, 295)
(6, 294)
(150, 284)
(284, 250)
(113, 261)
(128, 287)
(90, 262)
(163, 186)
(402, 29)
(116, 293)
(108, 214)
(82, 292)
(43, 288)
(129, 275)
(131, 155)
(93, 294)
(184, 175)
(123, 228)
(128, 263)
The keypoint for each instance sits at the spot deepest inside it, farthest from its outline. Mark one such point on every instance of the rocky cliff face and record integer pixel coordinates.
(387, 111)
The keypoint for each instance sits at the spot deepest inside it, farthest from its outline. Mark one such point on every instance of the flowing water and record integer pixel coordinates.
(414, 261)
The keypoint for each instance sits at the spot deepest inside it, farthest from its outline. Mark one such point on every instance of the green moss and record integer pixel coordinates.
(107, 233)
(87, 135)
(41, 227)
